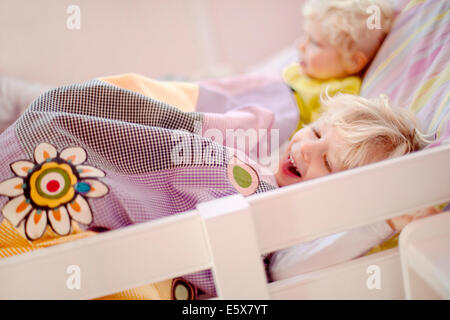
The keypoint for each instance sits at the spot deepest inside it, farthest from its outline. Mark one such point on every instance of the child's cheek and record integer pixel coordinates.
(316, 170)
(317, 62)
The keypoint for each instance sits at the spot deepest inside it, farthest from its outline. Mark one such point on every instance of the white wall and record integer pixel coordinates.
(195, 38)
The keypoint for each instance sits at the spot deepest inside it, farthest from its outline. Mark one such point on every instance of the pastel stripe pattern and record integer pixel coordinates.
(413, 65)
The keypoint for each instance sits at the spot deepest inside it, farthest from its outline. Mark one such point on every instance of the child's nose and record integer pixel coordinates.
(307, 150)
(304, 150)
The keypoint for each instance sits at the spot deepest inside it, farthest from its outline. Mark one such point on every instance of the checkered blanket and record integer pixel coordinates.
(152, 156)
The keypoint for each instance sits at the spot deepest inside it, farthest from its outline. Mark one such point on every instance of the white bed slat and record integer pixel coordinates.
(109, 262)
(425, 257)
(350, 199)
(346, 281)
(237, 265)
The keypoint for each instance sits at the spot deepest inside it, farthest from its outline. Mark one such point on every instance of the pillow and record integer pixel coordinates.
(413, 65)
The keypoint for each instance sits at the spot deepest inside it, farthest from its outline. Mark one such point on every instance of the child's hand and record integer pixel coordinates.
(398, 223)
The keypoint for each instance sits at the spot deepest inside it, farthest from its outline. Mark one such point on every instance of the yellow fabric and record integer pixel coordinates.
(156, 291)
(182, 95)
(307, 91)
(388, 244)
(12, 242)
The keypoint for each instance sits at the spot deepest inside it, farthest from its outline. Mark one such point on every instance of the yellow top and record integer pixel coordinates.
(307, 91)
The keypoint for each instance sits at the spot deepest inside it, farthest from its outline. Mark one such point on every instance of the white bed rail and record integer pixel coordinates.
(193, 241)
(347, 281)
(425, 258)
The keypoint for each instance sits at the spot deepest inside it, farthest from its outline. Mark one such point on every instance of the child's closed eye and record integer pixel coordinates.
(324, 157)
(316, 132)
(327, 164)
(315, 43)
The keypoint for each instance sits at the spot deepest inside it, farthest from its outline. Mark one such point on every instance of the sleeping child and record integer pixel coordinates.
(337, 45)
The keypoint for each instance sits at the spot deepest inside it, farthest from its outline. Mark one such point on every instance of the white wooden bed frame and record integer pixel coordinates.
(229, 235)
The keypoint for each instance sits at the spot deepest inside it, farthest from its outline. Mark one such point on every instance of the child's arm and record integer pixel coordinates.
(398, 223)
(251, 124)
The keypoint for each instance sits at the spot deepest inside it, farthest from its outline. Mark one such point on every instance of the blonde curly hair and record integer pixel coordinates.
(344, 22)
(371, 129)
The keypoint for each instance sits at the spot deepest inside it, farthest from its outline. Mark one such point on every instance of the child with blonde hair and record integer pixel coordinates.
(338, 44)
(352, 132)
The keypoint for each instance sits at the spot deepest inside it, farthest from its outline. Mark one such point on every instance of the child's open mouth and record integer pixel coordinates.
(291, 169)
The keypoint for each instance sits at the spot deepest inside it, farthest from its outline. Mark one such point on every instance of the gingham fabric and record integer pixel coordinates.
(131, 138)
(110, 121)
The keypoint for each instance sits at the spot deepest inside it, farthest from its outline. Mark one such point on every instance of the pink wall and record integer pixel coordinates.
(195, 38)
(250, 30)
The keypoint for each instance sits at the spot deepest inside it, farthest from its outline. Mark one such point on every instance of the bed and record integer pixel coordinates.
(229, 235)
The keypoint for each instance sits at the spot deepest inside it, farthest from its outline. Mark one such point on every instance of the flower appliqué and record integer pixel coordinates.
(51, 191)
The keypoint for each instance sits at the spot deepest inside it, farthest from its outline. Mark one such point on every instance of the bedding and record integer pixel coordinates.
(270, 92)
(413, 65)
(106, 157)
(222, 95)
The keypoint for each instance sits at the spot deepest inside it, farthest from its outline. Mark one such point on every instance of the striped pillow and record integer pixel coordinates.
(413, 65)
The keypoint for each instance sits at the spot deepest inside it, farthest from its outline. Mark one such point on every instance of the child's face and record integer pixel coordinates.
(311, 153)
(318, 58)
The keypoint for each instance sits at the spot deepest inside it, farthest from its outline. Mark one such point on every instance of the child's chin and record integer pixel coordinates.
(312, 74)
(283, 180)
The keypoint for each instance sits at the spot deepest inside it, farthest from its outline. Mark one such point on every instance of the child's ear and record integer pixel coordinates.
(358, 61)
